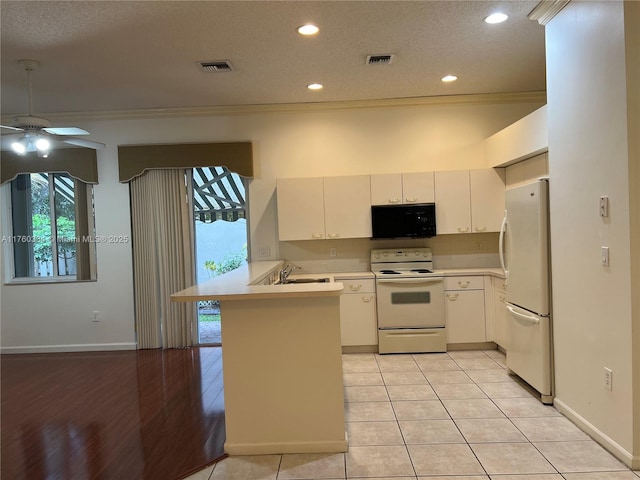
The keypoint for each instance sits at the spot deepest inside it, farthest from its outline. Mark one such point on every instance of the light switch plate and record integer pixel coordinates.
(604, 253)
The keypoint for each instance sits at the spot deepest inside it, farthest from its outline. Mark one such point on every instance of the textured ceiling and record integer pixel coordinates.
(98, 56)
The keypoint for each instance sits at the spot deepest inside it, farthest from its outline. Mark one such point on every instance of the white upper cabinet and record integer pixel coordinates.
(319, 208)
(453, 202)
(347, 207)
(487, 199)
(418, 187)
(386, 189)
(469, 201)
(300, 209)
(396, 188)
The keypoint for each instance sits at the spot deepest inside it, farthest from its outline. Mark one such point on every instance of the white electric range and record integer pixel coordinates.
(410, 301)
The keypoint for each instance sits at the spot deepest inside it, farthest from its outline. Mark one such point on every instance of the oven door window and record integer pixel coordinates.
(403, 298)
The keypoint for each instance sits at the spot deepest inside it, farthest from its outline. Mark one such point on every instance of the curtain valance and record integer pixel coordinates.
(80, 163)
(134, 160)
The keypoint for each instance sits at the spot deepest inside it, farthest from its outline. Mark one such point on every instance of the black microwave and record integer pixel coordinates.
(416, 220)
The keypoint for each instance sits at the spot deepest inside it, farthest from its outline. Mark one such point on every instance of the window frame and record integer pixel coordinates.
(8, 250)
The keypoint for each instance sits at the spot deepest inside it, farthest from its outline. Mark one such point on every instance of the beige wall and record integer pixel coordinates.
(589, 156)
(304, 140)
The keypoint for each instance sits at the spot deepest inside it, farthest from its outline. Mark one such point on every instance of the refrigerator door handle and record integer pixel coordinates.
(528, 318)
(503, 228)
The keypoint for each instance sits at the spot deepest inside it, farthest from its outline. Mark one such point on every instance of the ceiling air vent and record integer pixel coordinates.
(216, 66)
(385, 59)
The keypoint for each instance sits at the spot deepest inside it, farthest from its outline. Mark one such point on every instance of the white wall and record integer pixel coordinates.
(589, 157)
(304, 142)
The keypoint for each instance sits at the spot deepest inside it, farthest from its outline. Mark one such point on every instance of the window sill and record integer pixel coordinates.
(45, 281)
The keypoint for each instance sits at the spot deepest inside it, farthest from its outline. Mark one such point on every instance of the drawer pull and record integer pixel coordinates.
(480, 229)
(411, 200)
(463, 284)
(355, 288)
(394, 200)
(367, 299)
(317, 236)
(502, 298)
(452, 296)
(463, 229)
(333, 235)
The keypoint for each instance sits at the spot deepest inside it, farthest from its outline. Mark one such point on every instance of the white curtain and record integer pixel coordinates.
(162, 259)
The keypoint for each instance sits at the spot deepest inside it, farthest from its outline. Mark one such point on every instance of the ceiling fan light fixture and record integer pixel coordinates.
(20, 146)
(42, 144)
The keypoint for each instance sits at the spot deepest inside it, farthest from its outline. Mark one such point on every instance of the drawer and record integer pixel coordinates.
(471, 282)
(358, 285)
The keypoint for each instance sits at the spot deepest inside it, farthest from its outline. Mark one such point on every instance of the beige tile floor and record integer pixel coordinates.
(448, 416)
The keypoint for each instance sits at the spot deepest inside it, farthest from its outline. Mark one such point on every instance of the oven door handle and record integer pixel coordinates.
(412, 280)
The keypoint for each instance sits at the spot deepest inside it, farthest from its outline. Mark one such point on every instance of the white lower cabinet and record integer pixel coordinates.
(501, 318)
(358, 320)
(465, 309)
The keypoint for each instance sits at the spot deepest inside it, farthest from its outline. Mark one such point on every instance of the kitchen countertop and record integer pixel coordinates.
(245, 283)
(242, 284)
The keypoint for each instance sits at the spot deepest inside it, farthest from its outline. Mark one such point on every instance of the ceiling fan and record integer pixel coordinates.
(35, 134)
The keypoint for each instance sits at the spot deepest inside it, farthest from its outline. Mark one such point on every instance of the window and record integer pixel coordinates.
(52, 228)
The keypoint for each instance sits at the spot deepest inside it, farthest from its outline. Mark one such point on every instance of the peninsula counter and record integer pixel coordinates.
(282, 363)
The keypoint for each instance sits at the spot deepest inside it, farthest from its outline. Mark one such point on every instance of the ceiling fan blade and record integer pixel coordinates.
(81, 142)
(66, 131)
(11, 128)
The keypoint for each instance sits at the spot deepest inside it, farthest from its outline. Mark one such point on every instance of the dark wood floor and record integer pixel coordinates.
(147, 414)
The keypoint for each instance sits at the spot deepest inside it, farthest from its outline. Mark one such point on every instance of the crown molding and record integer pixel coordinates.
(493, 98)
(546, 10)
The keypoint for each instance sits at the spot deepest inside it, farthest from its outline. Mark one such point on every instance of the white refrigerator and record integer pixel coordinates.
(524, 253)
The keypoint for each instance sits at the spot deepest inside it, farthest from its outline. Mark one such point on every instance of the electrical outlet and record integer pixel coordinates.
(608, 379)
(604, 206)
(265, 251)
(96, 316)
(332, 252)
(478, 246)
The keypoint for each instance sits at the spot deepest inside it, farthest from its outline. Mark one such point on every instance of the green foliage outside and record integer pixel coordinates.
(41, 224)
(229, 262)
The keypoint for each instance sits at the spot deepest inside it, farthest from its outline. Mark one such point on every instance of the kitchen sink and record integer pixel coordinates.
(306, 280)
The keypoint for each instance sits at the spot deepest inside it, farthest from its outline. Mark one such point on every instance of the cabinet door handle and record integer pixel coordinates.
(501, 298)
(480, 229)
(452, 296)
(463, 229)
(463, 284)
(317, 236)
(367, 299)
(394, 200)
(411, 200)
(355, 288)
(333, 235)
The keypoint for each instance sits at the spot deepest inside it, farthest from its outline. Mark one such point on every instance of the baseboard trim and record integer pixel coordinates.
(604, 440)
(86, 347)
(360, 349)
(266, 448)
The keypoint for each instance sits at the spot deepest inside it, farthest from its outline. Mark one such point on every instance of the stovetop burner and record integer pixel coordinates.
(421, 270)
(389, 272)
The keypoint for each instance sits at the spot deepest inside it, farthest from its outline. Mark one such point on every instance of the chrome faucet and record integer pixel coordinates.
(286, 271)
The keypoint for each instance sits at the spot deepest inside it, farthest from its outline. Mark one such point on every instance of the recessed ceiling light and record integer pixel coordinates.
(315, 86)
(496, 18)
(308, 29)
(449, 78)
